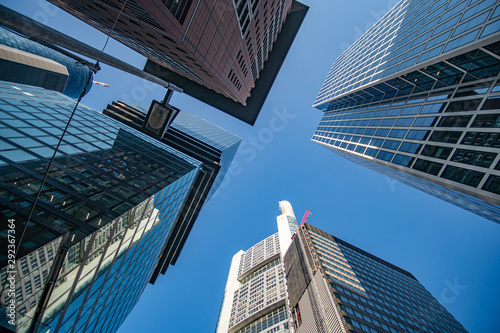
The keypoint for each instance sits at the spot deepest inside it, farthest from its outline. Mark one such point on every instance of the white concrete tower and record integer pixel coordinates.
(255, 294)
(287, 225)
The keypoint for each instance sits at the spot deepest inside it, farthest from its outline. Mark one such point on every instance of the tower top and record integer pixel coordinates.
(286, 208)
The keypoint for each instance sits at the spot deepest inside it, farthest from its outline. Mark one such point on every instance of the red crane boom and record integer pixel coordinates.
(304, 219)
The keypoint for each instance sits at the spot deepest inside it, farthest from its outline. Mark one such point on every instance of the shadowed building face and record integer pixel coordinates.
(214, 50)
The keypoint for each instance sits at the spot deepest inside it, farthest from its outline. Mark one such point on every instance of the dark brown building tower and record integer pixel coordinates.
(215, 50)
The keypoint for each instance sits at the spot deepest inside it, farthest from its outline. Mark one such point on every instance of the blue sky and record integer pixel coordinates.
(453, 253)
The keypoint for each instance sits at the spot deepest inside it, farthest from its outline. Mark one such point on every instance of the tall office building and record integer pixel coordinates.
(213, 146)
(255, 296)
(226, 53)
(334, 286)
(114, 212)
(304, 280)
(416, 98)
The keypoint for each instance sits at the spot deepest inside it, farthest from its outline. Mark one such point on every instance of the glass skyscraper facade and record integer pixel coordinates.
(113, 201)
(224, 141)
(102, 169)
(416, 98)
(336, 287)
(213, 146)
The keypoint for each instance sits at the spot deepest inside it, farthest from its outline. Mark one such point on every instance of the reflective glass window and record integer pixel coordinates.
(424, 122)
(391, 144)
(377, 142)
(464, 176)
(382, 132)
(473, 89)
(384, 155)
(482, 139)
(454, 121)
(409, 147)
(365, 140)
(360, 149)
(388, 122)
(465, 105)
(410, 110)
(436, 151)
(486, 120)
(478, 64)
(393, 112)
(398, 133)
(432, 108)
(370, 131)
(491, 103)
(404, 122)
(473, 157)
(471, 24)
(445, 136)
(491, 28)
(476, 9)
(457, 42)
(492, 184)
(402, 160)
(429, 167)
(439, 39)
(417, 134)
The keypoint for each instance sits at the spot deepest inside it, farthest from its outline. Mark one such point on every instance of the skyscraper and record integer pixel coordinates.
(255, 296)
(209, 144)
(115, 211)
(334, 286)
(304, 280)
(416, 98)
(220, 52)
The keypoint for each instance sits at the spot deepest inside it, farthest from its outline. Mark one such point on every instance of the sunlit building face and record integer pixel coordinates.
(417, 98)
